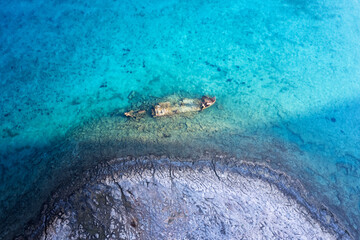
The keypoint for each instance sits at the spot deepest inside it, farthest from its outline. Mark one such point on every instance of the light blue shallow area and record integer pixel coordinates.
(285, 73)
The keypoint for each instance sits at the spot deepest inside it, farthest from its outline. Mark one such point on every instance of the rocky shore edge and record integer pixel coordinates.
(220, 163)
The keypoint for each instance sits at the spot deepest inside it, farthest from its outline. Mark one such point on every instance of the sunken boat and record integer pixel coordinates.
(174, 107)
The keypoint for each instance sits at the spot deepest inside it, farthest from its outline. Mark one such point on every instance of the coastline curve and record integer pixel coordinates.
(161, 198)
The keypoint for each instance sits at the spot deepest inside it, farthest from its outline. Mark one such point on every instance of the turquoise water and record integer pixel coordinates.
(285, 74)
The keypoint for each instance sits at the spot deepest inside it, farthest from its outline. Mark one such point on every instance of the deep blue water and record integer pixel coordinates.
(285, 74)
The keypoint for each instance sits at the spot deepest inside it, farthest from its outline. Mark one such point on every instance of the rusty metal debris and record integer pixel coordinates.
(135, 114)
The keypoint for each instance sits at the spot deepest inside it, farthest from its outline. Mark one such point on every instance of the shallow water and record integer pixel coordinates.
(285, 74)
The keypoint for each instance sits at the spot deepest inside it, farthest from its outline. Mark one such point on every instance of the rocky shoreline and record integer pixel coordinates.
(161, 198)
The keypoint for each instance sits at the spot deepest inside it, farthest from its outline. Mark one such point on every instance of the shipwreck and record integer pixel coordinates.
(174, 107)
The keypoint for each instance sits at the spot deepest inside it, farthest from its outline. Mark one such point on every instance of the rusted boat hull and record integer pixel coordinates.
(186, 105)
(175, 106)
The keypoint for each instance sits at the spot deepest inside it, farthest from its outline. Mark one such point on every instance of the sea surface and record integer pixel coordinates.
(286, 75)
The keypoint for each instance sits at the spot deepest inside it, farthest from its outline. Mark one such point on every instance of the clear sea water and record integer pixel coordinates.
(286, 74)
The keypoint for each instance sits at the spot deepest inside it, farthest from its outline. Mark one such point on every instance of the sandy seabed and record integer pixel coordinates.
(164, 199)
